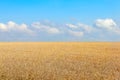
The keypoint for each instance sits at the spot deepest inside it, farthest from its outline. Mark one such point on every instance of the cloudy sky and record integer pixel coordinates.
(59, 20)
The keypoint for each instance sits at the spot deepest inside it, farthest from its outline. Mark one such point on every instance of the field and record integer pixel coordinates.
(60, 61)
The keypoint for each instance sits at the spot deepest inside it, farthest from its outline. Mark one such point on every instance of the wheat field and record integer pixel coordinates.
(59, 61)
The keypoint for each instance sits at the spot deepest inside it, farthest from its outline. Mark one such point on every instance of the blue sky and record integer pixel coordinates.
(59, 20)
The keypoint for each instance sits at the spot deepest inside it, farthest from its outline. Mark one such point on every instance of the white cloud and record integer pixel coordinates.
(24, 28)
(80, 26)
(47, 28)
(72, 26)
(108, 24)
(79, 29)
(53, 30)
(87, 28)
(12, 26)
(76, 33)
(106, 27)
(3, 27)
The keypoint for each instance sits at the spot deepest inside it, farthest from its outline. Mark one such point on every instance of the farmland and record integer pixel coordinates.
(60, 61)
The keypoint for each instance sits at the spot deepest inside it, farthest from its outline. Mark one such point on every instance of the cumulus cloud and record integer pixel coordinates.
(12, 26)
(72, 26)
(3, 27)
(86, 28)
(53, 30)
(46, 28)
(80, 26)
(79, 29)
(76, 33)
(108, 24)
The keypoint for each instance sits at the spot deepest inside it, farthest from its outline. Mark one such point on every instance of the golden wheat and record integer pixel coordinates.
(60, 61)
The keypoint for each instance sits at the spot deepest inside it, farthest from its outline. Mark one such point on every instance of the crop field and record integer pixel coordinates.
(60, 61)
